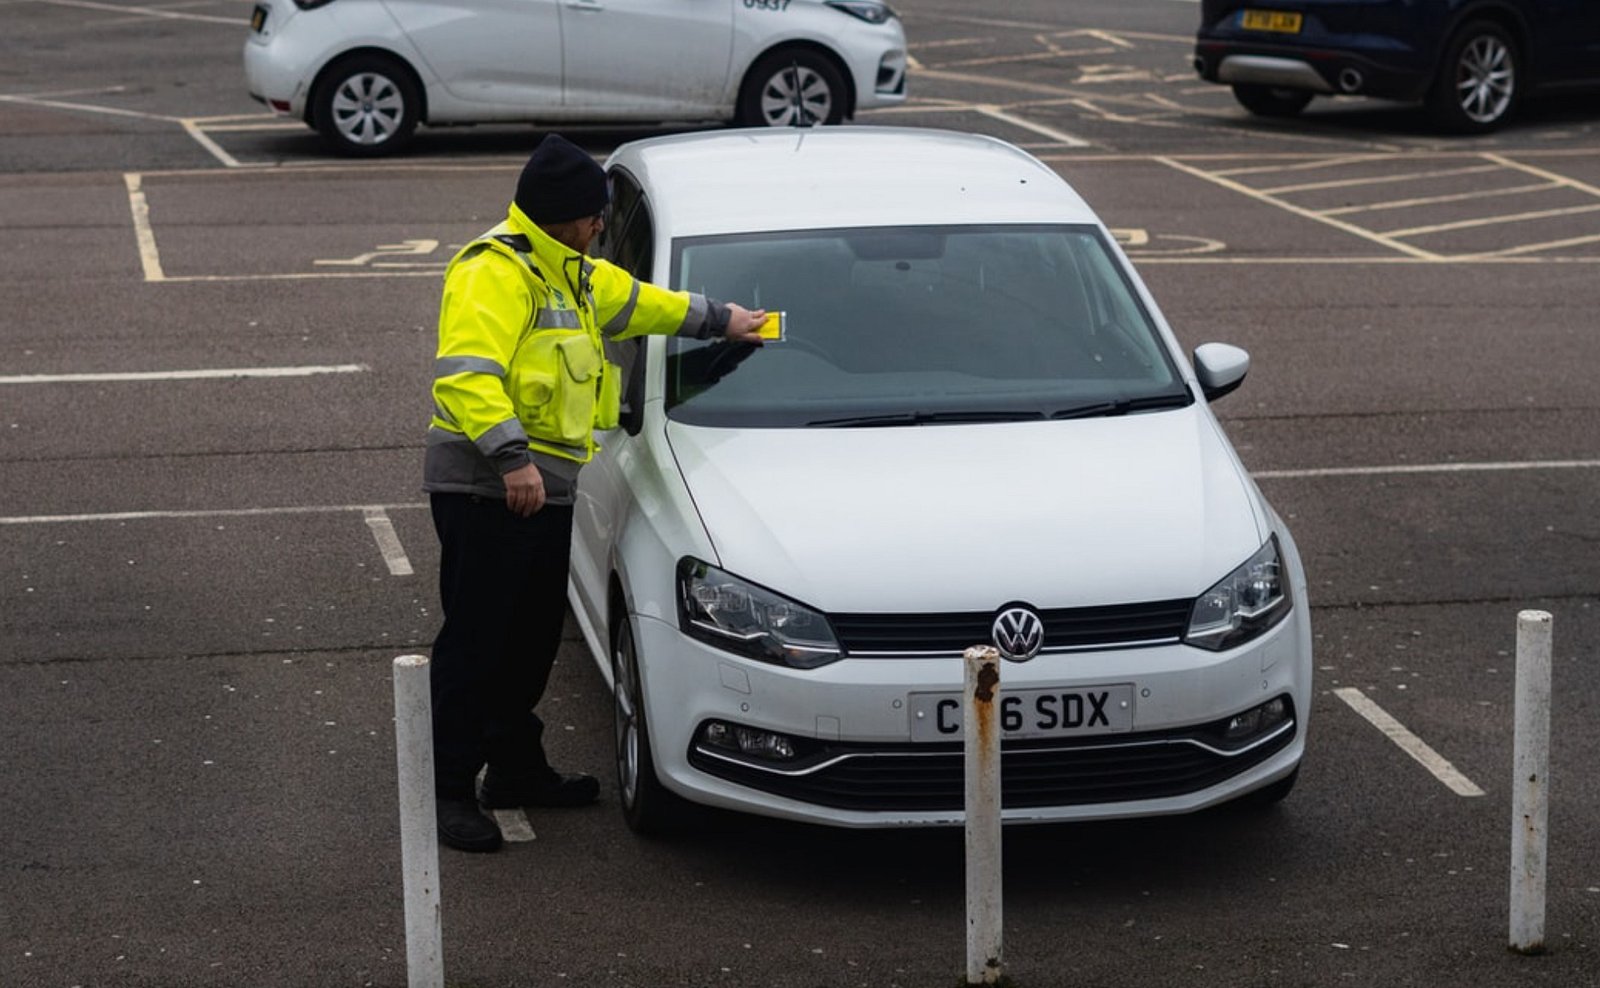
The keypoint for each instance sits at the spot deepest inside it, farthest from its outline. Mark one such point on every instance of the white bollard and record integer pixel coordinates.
(1530, 791)
(981, 746)
(419, 829)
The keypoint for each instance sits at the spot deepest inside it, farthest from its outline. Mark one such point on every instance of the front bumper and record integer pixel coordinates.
(876, 59)
(861, 768)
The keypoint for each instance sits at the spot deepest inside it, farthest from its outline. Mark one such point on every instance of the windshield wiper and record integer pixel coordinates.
(1122, 406)
(927, 418)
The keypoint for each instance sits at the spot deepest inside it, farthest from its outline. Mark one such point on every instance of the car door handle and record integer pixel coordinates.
(586, 5)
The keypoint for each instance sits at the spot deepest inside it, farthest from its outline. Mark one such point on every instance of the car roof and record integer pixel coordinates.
(740, 181)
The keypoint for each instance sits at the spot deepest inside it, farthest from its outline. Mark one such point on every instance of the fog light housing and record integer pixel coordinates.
(748, 741)
(1257, 721)
(1241, 726)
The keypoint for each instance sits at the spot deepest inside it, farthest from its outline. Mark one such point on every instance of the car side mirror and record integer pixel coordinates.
(1220, 367)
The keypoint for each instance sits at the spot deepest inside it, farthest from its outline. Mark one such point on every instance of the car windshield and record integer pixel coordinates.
(914, 325)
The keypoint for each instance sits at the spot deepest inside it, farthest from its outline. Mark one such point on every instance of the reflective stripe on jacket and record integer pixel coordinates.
(521, 375)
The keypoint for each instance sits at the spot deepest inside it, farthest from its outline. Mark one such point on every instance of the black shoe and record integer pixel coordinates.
(504, 793)
(464, 827)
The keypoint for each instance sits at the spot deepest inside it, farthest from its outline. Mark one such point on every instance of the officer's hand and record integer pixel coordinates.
(743, 324)
(524, 490)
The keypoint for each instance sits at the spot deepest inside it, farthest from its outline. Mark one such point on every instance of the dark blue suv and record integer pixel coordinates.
(1468, 61)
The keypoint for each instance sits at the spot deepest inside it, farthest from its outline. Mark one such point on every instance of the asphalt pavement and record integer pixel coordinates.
(215, 344)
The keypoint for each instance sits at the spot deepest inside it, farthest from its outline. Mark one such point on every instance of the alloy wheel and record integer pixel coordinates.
(1485, 79)
(627, 717)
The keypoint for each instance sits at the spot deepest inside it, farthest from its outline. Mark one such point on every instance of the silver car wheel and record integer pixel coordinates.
(627, 717)
(778, 96)
(368, 108)
(1485, 79)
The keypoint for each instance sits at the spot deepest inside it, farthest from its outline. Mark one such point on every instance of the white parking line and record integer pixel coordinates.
(1408, 742)
(1347, 159)
(143, 233)
(1059, 136)
(1346, 183)
(1511, 253)
(113, 111)
(1541, 214)
(1435, 200)
(1556, 177)
(1417, 468)
(1260, 196)
(115, 8)
(394, 554)
(514, 826)
(192, 128)
(311, 509)
(227, 373)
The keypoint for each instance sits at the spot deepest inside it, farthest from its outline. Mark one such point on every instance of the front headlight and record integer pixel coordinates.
(1244, 604)
(868, 10)
(732, 614)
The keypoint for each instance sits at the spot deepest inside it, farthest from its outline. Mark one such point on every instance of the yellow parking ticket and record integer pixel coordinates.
(772, 327)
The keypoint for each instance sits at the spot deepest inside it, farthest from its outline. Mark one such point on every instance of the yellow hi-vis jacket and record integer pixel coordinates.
(521, 375)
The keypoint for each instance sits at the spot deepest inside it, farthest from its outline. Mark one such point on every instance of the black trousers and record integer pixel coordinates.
(503, 586)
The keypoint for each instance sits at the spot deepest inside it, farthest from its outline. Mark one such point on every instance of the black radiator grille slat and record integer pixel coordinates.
(1067, 627)
(905, 778)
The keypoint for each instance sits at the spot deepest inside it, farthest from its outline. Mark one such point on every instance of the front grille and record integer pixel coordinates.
(931, 777)
(1065, 628)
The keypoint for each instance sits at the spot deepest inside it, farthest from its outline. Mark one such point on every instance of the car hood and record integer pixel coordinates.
(969, 517)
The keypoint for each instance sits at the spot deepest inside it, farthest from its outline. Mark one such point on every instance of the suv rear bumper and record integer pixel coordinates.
(1308, 69)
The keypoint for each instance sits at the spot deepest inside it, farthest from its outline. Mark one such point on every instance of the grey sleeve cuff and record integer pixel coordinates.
(505, 445)
(715, 323)
(511, 459)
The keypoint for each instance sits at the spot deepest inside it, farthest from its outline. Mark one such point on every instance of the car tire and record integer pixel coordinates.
(1476, 89)
(1270, 101)
(366, 105)
(647, 806)
(767, 98)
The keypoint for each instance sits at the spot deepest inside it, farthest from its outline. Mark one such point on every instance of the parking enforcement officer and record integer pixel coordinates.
(520, 384)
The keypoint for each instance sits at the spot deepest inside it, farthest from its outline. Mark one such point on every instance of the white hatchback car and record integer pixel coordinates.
(976, 428)
(364, 73)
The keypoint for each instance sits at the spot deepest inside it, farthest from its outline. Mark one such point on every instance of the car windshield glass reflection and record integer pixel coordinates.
(920, 325)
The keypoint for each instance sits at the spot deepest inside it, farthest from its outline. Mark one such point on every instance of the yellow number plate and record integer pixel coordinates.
(1280, 21)
(258, 18)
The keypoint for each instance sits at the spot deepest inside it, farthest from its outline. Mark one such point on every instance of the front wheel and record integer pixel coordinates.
(647, 806)
(366, 106)
(785, 88)
(1476, 89)
(1270, 101)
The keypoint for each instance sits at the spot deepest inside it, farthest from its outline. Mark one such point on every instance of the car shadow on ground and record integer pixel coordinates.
(1210, 847)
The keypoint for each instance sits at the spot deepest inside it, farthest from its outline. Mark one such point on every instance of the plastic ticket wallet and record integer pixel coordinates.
(772, 327)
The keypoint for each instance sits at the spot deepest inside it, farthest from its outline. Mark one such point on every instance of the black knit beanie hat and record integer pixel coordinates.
(561, 182)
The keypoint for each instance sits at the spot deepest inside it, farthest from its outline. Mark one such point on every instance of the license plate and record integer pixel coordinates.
(258, 19)
(1281, 21)
(1038, 713)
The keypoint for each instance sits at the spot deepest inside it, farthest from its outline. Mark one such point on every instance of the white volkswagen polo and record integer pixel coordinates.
(364, 73)
(976, 428)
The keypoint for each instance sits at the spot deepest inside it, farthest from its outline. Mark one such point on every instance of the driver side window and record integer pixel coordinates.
(626, 238)
(626, 241)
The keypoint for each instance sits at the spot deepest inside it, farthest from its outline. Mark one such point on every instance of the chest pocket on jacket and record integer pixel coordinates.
(553, 382)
